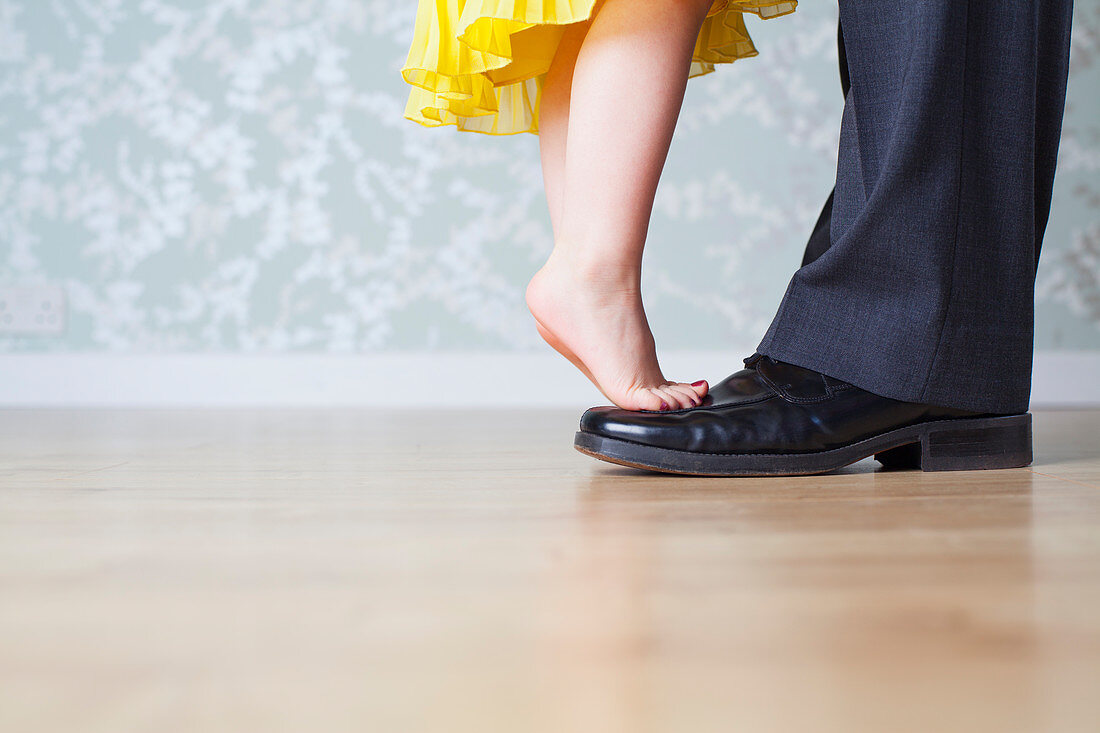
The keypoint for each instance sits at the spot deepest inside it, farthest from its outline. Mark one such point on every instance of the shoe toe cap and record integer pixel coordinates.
(648, 428)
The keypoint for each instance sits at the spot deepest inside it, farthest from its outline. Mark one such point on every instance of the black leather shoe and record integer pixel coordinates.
(778, 419)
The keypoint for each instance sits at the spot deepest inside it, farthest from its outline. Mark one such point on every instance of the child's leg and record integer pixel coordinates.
(628, 83)
(554, 118)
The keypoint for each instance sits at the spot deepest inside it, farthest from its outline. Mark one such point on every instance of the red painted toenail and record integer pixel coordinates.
(664, 405)
(700, 383)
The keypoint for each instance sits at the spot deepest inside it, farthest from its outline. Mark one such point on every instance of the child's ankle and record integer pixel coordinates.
(597, 270)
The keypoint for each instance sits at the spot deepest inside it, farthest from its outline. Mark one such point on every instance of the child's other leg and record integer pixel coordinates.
(554, 118)
(628, 83)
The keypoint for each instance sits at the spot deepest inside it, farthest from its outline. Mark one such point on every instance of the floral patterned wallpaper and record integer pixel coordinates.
(236, 175)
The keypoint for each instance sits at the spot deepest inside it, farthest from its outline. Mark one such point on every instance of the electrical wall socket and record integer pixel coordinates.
(36, 310)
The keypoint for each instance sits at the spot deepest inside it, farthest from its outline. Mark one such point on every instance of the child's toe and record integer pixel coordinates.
(649, 399)
(688, 397)
(677, 400)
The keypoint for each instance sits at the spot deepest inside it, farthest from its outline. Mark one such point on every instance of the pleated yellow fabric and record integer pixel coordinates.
(479, 64)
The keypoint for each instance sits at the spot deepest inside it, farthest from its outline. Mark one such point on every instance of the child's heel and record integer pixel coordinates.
(966, 445)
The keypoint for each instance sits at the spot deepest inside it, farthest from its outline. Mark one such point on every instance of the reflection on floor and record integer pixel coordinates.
(378, 571)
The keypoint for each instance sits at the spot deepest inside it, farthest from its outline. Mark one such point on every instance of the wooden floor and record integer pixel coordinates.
(377, 572)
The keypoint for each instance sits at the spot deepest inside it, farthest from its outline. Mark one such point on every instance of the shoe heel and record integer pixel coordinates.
(900, 458)
(967, 445)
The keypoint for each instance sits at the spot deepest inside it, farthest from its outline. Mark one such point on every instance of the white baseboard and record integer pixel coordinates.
(1061, 379)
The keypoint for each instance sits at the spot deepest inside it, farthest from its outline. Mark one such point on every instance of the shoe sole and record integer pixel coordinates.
(943, 445)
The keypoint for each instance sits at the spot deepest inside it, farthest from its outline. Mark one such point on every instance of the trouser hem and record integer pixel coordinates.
(871, 372)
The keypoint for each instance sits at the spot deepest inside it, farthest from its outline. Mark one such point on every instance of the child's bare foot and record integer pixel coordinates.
(595, 319)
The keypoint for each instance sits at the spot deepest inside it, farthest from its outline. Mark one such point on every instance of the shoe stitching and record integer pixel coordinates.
(830, 390)
(791, 398)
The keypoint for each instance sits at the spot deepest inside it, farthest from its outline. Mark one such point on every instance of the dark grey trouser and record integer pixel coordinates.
(918, 282)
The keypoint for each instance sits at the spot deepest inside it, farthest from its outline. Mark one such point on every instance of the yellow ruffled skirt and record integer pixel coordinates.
(479, 64)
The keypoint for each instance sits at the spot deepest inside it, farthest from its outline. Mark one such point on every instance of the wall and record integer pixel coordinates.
(234, 177)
